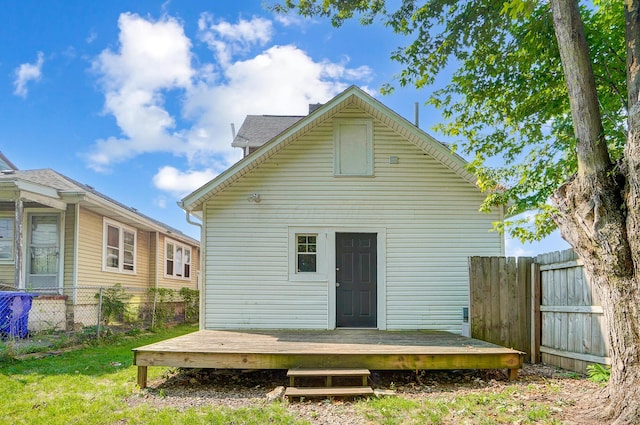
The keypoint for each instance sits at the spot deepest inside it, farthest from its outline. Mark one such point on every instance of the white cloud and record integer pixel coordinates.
(25, 73)
(181, 183)
(154, 66)
(154, 57)
(291, 20)
(226, 39)
(91, 37)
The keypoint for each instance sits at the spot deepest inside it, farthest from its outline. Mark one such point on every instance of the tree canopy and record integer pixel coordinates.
(553, 92)
(506, 101)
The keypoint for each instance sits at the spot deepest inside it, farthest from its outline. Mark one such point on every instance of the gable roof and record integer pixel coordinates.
(351, 96)
(256, 130)
(56, 190)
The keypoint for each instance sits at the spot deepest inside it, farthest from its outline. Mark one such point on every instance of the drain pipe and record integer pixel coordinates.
(201, 275)
(190, 220)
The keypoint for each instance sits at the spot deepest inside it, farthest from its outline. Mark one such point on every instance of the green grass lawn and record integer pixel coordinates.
(90, 386)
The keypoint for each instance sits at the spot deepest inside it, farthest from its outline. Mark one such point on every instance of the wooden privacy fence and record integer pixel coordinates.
(500, 311)
(543, 306)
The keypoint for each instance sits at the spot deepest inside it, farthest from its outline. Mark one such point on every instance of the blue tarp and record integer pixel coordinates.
(14, 313)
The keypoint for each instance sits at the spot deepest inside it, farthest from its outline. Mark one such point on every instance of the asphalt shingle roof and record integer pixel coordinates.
(50, 178)
(256, 130)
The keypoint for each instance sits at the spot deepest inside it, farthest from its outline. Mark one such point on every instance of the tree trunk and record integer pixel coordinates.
(599, 209)
(591, 212)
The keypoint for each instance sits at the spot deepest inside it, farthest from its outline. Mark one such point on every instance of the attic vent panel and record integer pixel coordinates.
(353, 147)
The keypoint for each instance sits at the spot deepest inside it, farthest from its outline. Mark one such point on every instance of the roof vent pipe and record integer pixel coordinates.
(233, 131)
(416, 111)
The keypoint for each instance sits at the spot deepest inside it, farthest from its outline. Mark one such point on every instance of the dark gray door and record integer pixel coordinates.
(356, 280)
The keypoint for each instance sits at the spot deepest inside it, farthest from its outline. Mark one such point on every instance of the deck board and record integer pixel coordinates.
(344, 348)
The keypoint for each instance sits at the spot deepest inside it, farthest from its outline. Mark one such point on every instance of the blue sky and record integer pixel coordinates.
(136, 98)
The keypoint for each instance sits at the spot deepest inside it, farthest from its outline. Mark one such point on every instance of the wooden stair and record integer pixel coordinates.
(329, 390)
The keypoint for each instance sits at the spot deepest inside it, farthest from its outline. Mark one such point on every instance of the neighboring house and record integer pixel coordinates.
(348, 217)
(59, 236)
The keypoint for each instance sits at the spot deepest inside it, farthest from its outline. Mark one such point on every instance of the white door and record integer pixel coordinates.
(43, 251)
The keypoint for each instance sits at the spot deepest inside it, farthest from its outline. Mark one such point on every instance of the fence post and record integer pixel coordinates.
(99, 313)
(153, 313)
(536, 318)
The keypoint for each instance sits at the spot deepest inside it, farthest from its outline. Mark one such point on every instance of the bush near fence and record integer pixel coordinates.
(102, 308)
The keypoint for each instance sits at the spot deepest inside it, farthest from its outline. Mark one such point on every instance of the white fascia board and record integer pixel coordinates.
(426, 142)
(37, 193)
(141, 222)
(34, 192)
(44, 200)
(25, 186)
(124, 212)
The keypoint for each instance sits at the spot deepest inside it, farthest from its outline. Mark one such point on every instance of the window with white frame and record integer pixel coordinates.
(119, 248)
(177, 260)
(307, 254)
(6, 239)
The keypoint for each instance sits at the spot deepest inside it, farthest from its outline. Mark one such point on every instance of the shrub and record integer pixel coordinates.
(191, 298)
(164, 310)
(114, 303)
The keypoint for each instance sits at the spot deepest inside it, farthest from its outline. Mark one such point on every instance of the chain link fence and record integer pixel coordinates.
(92, 310)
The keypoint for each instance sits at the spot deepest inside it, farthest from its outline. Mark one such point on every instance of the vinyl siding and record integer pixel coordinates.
(7, 269)
(7, 274)
(429, 213)
(90, 256)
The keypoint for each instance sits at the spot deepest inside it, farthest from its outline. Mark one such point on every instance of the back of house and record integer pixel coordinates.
(350, 217)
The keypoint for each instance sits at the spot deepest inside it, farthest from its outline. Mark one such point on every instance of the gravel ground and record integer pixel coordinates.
(182, 389)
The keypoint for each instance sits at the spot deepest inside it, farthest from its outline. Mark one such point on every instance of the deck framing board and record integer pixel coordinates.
(286, 349)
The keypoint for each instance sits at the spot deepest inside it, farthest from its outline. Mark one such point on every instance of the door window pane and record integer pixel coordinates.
(43, 251)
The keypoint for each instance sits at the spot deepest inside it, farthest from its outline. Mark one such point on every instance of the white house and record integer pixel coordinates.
(350, 216)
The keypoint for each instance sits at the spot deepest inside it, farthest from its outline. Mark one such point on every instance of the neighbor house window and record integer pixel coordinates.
(6, 239)
(307, 253)
(353, 147)
(177, 260)
(119, 247)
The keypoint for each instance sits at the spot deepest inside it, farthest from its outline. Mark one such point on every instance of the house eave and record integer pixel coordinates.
(28, 191)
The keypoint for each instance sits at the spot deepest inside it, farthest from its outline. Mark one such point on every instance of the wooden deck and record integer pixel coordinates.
(343, 348)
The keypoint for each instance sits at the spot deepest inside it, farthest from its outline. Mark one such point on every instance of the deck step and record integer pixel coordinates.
(327, 391)
(328, 374)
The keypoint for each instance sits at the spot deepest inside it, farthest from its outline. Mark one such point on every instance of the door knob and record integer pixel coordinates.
(337, 284)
